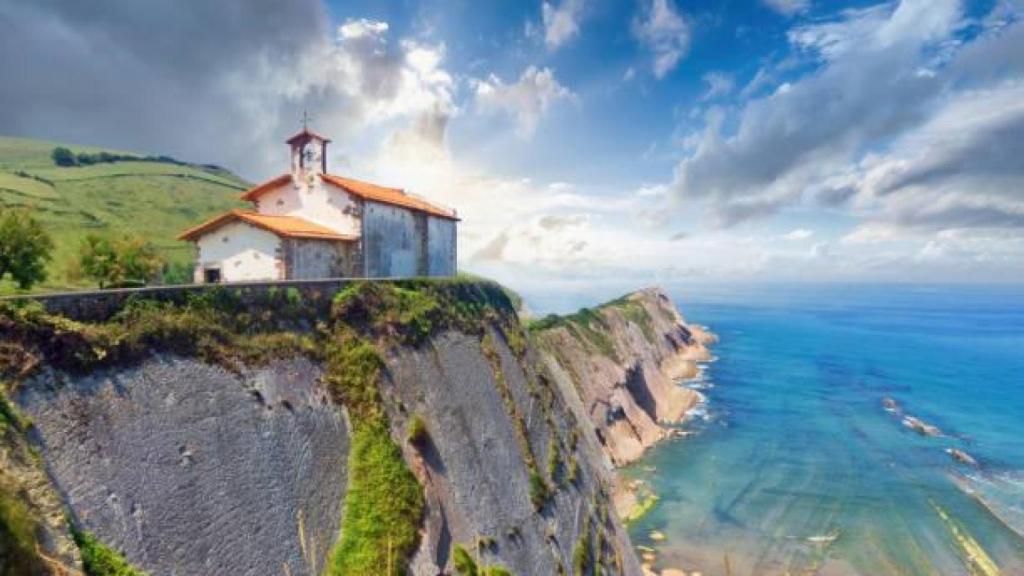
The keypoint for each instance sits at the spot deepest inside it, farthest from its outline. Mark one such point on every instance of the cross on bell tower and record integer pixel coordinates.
(308, 153)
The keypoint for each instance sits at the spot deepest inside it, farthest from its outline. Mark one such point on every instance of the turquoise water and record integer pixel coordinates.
(798, 468)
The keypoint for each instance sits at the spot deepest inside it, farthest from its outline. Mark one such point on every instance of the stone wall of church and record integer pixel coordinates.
(398, 242)
(441, 252)
(391, 246)
(307, 259)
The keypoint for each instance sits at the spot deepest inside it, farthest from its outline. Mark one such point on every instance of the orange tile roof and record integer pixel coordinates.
(393, 196)
(364, 190)
(287, 226)
(253, 193)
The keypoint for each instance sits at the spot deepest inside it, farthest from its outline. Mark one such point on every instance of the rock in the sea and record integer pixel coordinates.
(657, 536)
(921, 427)
(890, 405)
(961, 456)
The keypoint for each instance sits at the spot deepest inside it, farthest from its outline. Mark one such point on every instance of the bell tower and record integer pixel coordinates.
(309, 154)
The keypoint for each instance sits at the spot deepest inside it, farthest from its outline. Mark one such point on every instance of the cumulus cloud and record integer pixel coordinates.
(788, 7)
(868, 124)
(561, 22)
(526, 100)
(664, 33)
(217, 82)
(798, 234)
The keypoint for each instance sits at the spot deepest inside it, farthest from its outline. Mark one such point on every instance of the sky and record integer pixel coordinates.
(590, 141)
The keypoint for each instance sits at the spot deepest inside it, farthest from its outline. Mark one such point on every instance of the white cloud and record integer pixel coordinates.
(561, 22)
(527, 100)
(664, 32)
(719, 84)
(354, 29)
(798, 234)
(788, 7)
(357, 80)
(787, 144)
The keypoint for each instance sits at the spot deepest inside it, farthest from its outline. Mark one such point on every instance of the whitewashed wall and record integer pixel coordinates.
(242, 251)
(322, 203)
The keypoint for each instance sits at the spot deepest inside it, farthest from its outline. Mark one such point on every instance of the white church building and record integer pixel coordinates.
(311, 224)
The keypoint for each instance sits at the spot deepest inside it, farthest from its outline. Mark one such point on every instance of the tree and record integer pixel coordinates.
(127, 261)
(140, 262)
(63, 157)
(177, 273)
(24, 248)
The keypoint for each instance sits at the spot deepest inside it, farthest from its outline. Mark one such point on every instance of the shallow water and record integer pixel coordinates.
(798, 468)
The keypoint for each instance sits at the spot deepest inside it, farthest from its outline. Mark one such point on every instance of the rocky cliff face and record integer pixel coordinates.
(623, 360)
(187, 468)
(215, 438)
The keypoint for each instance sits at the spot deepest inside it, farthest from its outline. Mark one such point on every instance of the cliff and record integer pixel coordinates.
(622, 360)
(383, 428)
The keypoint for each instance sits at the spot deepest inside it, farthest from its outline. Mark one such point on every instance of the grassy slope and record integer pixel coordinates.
(152, 199)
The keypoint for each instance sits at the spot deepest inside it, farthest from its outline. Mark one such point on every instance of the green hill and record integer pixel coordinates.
(155, 198)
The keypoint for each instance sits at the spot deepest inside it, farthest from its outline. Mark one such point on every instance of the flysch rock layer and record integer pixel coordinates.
(473, 470)
(628, 395)
(189, 469)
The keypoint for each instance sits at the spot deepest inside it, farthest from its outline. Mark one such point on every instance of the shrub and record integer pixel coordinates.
(99, 560)
(63, 157)
(24, 248)
(120, 262)
(17, 537)
(465, 565)
(538, 490)
(418, 434)
(554, 460)
(581, 553)
(177, 273)
(574, 470)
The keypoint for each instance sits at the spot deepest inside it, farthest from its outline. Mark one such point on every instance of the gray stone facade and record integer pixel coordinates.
(398, 242)
(309, 259)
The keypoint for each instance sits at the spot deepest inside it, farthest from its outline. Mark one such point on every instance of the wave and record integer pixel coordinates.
(1001, 493)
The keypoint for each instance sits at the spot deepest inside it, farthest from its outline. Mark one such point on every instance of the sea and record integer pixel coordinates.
(801, 460)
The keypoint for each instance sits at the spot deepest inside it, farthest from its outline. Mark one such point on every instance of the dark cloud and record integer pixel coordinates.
(221, 81)
(160, 77)
(835, 196)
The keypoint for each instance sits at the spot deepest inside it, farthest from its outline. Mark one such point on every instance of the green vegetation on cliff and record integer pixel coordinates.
(465, 565)
(384, 503)
(99, 560)
(155, 198)
(18, 552)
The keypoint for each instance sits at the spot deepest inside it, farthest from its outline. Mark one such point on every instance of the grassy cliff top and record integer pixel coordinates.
(153, 197)
(591, 325)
